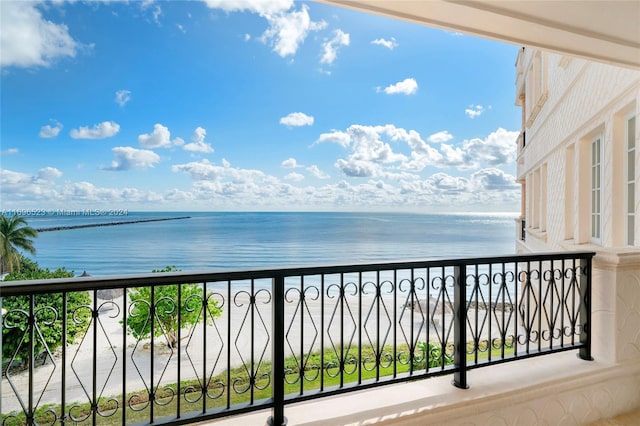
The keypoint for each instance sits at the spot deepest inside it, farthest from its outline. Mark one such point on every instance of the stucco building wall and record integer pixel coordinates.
(566, 103)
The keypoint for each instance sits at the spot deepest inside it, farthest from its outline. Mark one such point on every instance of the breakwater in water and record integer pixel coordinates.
(95, 225)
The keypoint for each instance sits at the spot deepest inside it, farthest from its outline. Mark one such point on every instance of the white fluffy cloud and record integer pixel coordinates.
(493, 179)
(261, 7)
(84, 192)
(389, 44)
(408, 86)
(315, 170)
(474, 111)
(290, 163)
(293, 176)
(287, 28)
(28, 39)
(287, 31)
(131, 158)
(440, 137)
(103, 130)
(297, 119)
(49, 174)
(9, 151)
(369, 148)
(228, 187)
(330, 47)
(336, 136)
(370, 153)
(123, 97)
(238, 186)
(496, 149)
(159, 138)
(353, 167)
(22, 187)
(197, 143)
(49, 131)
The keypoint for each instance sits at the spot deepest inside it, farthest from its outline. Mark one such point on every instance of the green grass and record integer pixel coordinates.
(166, 398)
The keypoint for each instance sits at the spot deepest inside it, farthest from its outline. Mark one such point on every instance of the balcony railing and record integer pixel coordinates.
(240, 341)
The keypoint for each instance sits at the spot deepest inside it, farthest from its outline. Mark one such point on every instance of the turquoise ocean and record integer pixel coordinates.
(214, 241)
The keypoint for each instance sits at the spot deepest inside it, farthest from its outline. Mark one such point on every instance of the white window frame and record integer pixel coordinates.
(596, 188)
(630, 179)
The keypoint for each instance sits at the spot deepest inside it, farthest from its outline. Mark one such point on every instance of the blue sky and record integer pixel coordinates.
(250, 105)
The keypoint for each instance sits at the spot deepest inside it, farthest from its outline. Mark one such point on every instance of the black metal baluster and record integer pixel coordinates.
(322, 331)
(577, 278)
(476, 290)
(516, 308)
(429, 318)
(503, 285)
(490, 311)
(539, 307)
(302, 363)
(585, 308)
(551, 322)
(277, 329)
(32, 323)
(179, 367)
(124, 356)
(63, 382)
(443, 344)
(412, 344)
(395, 323)
(529, 287)
(205, 382)
(342, 356)
(252, 372)
(230, 306)
(563, 312)
(359, 327)
(460, 328)
(378, 348)
(94, 403)
(152, 316)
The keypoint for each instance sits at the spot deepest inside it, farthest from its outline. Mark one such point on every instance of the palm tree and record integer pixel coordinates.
(14, 234)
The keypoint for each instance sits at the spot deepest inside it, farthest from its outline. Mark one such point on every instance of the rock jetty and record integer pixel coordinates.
(95, 225)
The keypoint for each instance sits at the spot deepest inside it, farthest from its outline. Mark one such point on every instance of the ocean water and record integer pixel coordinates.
(213, 241)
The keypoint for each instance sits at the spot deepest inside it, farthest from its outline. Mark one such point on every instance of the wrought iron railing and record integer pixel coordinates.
(235, 342)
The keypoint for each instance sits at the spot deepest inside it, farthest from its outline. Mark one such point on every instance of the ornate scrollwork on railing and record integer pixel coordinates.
(573, 300)
(100, 405)
(477, 312)
(20, 320)
(253, 377)
(302, 368)
(552, 304)
(528, 306)
(413, 313)
(341, 345)
(377, 313)
(444, 286)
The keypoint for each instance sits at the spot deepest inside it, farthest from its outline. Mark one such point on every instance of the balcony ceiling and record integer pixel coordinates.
(606, 31)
